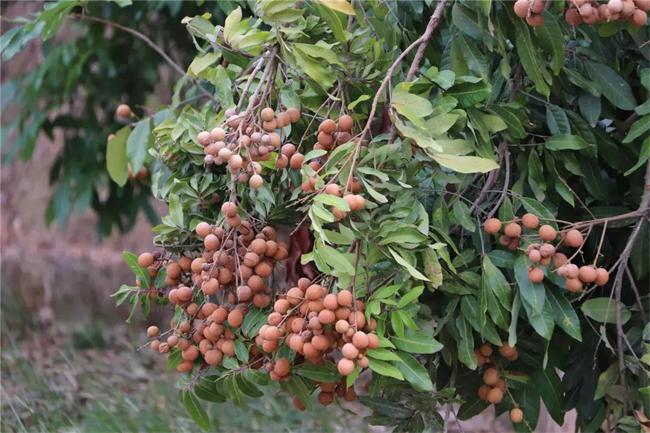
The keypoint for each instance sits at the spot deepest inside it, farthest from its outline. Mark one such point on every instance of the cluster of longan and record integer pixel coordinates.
(495, 386)
(240, 145)
(589, 12)
(542, 254)
(330, 390)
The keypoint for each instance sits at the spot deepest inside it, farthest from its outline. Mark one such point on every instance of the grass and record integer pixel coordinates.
(91, 378)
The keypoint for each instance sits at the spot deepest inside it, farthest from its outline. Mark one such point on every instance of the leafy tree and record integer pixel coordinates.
(388, 137)
(81, 79)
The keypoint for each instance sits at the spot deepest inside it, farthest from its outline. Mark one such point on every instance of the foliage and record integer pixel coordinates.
(73, 91)
(496, 119)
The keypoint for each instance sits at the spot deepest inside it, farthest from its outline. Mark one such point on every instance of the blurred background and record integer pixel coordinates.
(68, 360)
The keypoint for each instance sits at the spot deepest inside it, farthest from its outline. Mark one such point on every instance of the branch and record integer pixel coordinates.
(146, 40)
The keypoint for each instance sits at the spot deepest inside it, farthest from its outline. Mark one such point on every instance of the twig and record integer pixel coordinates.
(636, 293)
(506, 185)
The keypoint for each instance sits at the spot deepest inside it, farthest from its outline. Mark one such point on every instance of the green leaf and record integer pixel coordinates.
(416, 342)
(247, 387)
(411, 106)
(411, 270)
(565, 316)
(140, 273)
(566, 142)
(494, 280)
(290, 98)
(300, 388)
(333, 200)
(615, 88)
(473, 57)
(385, 407)
(528, 56)
(644, 154)
(116, 157)
(333, 22)
(529, 401)
(557, 120)
(463, 216)
(200, 64)
(465, 343)
(603, 310)
(469, 94)
(207, 391)
(532, 293)
(385, 369)
(606, 379)
(420, 137)
(223, 87)
(397, 324)
(196, 411)
(514, 124)
(174, 358)
(638, 129)
(414, 372)
(550, 39)
(386, 291)
(339, 263)
(231, 21)
(543, 323)
(176, 210)
(471, 408)
(320, 373)
(319, 74)
(579, 80)
(138, 143)
(339, 6)
(465, 164)
(589, 108)
(410, 296)
(320, 52)
(549, 386)
(383, 354)
(432, 267)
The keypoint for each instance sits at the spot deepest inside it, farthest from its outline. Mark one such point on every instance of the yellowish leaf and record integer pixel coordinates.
(339, 6)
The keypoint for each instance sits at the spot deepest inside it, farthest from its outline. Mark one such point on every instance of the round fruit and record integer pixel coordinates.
(360, 339)
(492, 226)
(235, 318)
(587, 274)
(521, 8)
(516, 415)
(535, 256)
(483, 392)
(145, 260)
(573, 284)
(153, 331)
(547, 250)
(512, 230)
(345, 366)
(296, 160)
(345, 123)
(573, 238)
(123, 111)
(639, 18)
(559, 259)
(547, 233)
(537, 6)
(294, 114)
(345, 298)
(536, 275)
(267, 114)
(530, 221)
(491, 376)
(602, 276)
(282, 367)
(495, 396)
(350, 351)
(328, 126)
(506, 350)
(535, 20)
(203, 229)
(644, 5)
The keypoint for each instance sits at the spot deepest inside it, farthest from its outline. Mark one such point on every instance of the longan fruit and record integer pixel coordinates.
(491, 376)
(628, 8)
(296, 160)
(123, 111)
(521, 8)
(536, 275)
(559, 259)
(350, 395)
(357, 319)
(345, 123)
(281, 306)
(506, 350)
(495, 396)
(304, 283)
(644, 5)
(235, 318)
(602, 276)
(535, 20)
(342, 326)
(145, 260)
(516, 415)
(492, 226)
(264, 270)
(314, 292)
(295, 296)
(587, 274)
(281, 162)
(244, 294)
(331, 302)
(270, 126)
(229, 209)
(373, 341)
(190, 354)
(639, 18)
(213, 357)
(344, 298)
(320, 342)
(267, 114)
(547, 233)
(480, 359)
(325, 139)
(258, 246)
(294, 114)
(211, 242)
(256, 181)
(153, 331)
(326, 317)
(273, 333)
(350, 351)
(327, 126)
(573, 238)
(486, 350)
(546, 250)
(483, 392)
(535, 256)
(572, 16)
(345, 366)
(228, 348)
(572, 271)
(282, 367)
(537, 6)
(184, 293)
(185, 366)
(512, 230)
(363, 362)
(185, 263)
(360, 339)
(211, 286)
(530, 221)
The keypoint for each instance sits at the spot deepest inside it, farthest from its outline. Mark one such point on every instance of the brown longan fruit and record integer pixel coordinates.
(628, 8)
(345, 366)
(296, 160)
(320, 342)
(295, 296)
(331, 302)
(190, 354)
(486, 350)
(325, 139)
(521, 8)
(559, 259)
(211, 242)
(282, 367)
(483, 392)
(638, 18)
(344, 298)
(229, 209)
(537, 6)
(536, 275)
(314, 292)
(123, 111)
(325, 398)
(350, 395)
(495, 396)
(644, 5)
(256, 181)
(572, 271)
(480, 359)
(492, 226)
(572, 16)
(535, 20)
(281, 306)
(573, 238)
(587, 274)
(235, 318)
(258, 246)
(535, 256)
(211, 286)
(273, 333)
(516, 415)
(326, 317)
(602, 276)
(153, 331)
(185, 366)
(373, 341)
(512, 230)
(145, 260)
(360, 340)
(184, 293)
(547, 251)
(345, 123)
(333, 189)
(547, 233)
(350, 351)
(267, 114)
(506, 350)
(327, 126)
(213, 357)
(185, 263)
(491, 376)
(294, 114)
(263, 269)
(530, 221)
